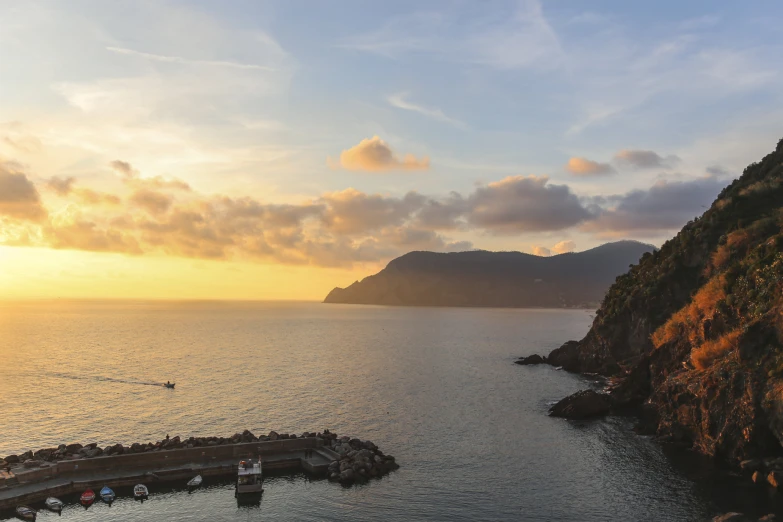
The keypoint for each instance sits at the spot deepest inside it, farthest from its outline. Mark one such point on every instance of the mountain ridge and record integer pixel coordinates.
(494, 279)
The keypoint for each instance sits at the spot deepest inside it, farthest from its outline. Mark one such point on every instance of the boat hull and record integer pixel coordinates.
(87, 498)
(250, 489)
(54, 504)
(140, 492)
(25, 513)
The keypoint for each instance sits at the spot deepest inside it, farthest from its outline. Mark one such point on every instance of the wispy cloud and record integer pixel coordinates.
(399, 101)
(188, 61)
(504, 39)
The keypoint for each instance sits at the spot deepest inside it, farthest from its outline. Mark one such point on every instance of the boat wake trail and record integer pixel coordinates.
(100, 378)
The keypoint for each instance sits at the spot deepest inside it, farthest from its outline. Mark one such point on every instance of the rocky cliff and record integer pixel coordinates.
(499, 279)
(694, 332)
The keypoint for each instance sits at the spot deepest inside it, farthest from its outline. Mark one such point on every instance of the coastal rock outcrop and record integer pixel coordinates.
(531, 359)
(582, 405)
(693, 332)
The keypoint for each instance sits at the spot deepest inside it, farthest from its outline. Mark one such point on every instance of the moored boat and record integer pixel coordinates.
(87, 498)
(140, 492)
(26, 513)
(107, 495)
(195, 481)
(54, 504)
(249, 477)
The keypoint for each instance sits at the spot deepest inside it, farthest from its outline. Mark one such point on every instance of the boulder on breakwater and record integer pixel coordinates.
(360, 460)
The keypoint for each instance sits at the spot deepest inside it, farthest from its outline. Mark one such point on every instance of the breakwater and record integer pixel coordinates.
(32, 475)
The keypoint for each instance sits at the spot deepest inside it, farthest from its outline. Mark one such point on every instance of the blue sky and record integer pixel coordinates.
(281, 102)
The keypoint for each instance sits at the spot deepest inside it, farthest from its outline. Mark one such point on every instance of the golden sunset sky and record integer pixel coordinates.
(275, 150)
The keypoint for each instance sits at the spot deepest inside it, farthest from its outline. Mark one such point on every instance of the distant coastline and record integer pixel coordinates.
(482, 279)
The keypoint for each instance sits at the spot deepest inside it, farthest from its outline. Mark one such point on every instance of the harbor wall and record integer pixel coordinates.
(156, 460)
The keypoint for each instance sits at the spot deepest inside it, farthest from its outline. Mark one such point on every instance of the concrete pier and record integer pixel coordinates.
(74, 476)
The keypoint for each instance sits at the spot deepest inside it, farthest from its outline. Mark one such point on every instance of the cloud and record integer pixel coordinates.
(375, 155)
(353, 212)
(718, 171)
(444, 214)
(663, 207)
(61, 186)
(411, 238)
(123, 168)
(93, 197)
(19, 198)
(180, 60)
(399, 101)
(64, 187)
(503, 38)
(645, 159)
(563, 247)
(585, 167)
(132, 178)
(541, 251)
(335, 229)
(23, 144)
(82, 234)
(151, 201)
(524, 204)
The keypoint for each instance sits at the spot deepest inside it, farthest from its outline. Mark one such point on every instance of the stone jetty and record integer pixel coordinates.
(68, 467)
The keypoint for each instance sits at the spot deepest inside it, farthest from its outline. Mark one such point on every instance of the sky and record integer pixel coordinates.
(275, 150)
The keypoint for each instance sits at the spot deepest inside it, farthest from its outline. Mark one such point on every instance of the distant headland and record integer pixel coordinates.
(495, 279)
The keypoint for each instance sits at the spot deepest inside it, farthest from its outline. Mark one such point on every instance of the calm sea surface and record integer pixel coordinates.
(435, 387)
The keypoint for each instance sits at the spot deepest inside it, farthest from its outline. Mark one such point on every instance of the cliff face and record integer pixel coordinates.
(695, 330)
(499, 279)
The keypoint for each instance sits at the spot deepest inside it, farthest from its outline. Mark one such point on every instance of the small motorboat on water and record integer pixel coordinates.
(54, 504)
(195, 481)
(87, 498)
(170, 385)
(26, 513)
(107, 495)
(140, 492)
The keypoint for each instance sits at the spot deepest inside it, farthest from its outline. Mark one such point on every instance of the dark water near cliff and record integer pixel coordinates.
(435, 387)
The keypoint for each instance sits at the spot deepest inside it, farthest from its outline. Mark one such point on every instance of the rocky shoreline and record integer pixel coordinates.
(622, 394)
(357, 460)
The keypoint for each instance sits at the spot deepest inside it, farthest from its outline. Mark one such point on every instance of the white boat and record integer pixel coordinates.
(249, 477)
(54, 504)
(195, 481)
(140, 492)
(26, 513)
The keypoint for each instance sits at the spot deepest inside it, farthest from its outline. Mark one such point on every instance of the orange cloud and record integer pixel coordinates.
(564, 247)
(585, 167)
(64, 187)
(19, 198)
(375, 155)
(541, 251)
(151, 201)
